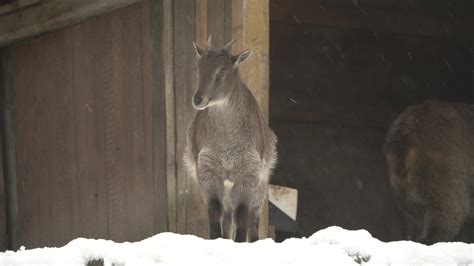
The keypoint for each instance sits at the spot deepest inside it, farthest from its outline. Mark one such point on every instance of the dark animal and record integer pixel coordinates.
(230, 148)
(429, 150)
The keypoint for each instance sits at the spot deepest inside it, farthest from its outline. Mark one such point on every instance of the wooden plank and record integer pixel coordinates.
(201, 22)
(215, 21)
(12, 6)
(26, 141)
(56, 137)
(91, 43)
(227, 21)
(154, 107)
(52, 15)
(3, 214)
(372, 19)
(184, 13)
(3, 189)
(168, 64)
(41, 74)
(250, 21)
(130, 192)
(219, 21)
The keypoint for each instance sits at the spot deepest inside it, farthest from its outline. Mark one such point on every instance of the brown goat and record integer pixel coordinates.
(429, 150)
(230, 148)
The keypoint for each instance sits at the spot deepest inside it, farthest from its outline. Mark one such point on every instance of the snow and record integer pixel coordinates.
(331, 246)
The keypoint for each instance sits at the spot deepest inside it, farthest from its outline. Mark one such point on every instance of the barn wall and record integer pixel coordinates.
(100, 110)
(338, 78)
(83, 101)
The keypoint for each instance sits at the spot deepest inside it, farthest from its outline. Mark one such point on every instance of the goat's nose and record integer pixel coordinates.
(197, 100)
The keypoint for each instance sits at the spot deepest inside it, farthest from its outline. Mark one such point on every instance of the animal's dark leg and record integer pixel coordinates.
(254, 222)
(241, 222)
(215, 217)
(439, 227)
(227, 228)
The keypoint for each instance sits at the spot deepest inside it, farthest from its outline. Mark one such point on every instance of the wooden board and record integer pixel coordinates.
(86, 134)
(52, 15)
(154, 107)
(91, 55)
(3, 214)
(250, 25)
(170, 104)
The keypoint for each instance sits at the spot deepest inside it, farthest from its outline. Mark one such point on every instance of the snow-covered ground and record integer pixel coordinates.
(331, 246)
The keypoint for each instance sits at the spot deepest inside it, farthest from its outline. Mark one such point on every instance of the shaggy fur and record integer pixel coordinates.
(429, 151)
(230, 148)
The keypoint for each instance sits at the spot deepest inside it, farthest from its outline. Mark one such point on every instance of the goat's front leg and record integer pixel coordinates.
(214, 209)
(254, 222)
(212, 191)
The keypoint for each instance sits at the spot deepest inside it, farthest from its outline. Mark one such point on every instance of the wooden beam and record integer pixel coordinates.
(16, 5)
(52, 15)
(153, 54)
(373, 19)
(184, 33)
(250, 25)
(168, 64)
(9, 157)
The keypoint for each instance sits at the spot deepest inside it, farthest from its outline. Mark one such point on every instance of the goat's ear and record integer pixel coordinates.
(241, 57)
(199, 50)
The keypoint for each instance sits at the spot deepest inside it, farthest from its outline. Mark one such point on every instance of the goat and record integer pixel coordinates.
(230, 149)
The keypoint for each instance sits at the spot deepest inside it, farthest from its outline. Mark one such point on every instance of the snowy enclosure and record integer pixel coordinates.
(331, 246)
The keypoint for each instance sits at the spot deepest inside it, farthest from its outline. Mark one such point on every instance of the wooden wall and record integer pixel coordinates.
(99, 112)
(83, 101)
(339, 76)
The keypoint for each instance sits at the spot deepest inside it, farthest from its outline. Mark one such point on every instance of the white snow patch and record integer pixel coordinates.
(331, 246)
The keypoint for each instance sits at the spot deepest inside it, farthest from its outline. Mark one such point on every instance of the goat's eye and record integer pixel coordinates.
(220, 75)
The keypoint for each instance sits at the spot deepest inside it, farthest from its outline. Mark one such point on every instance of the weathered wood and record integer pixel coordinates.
(83, 130)
(202, 31)
(250, 21)
(365, 18)
(3, 213)
(91, 42)
(191, 216)
(52, 15)
(168, 65)
(130, 192)
(44, 138)
(215, 21)
(155, 106)
(16, 5)
(8, 182)
(28, 220)
(285, 198)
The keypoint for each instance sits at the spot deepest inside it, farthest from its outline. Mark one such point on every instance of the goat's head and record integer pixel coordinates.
(217, 74)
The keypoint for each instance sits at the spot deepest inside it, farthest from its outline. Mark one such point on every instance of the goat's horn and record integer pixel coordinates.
(209, 40)
(229, 44)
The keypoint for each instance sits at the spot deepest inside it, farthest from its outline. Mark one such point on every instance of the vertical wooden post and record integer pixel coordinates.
(9, 156)
(154, 23)
(250, 25)
(168, 64)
